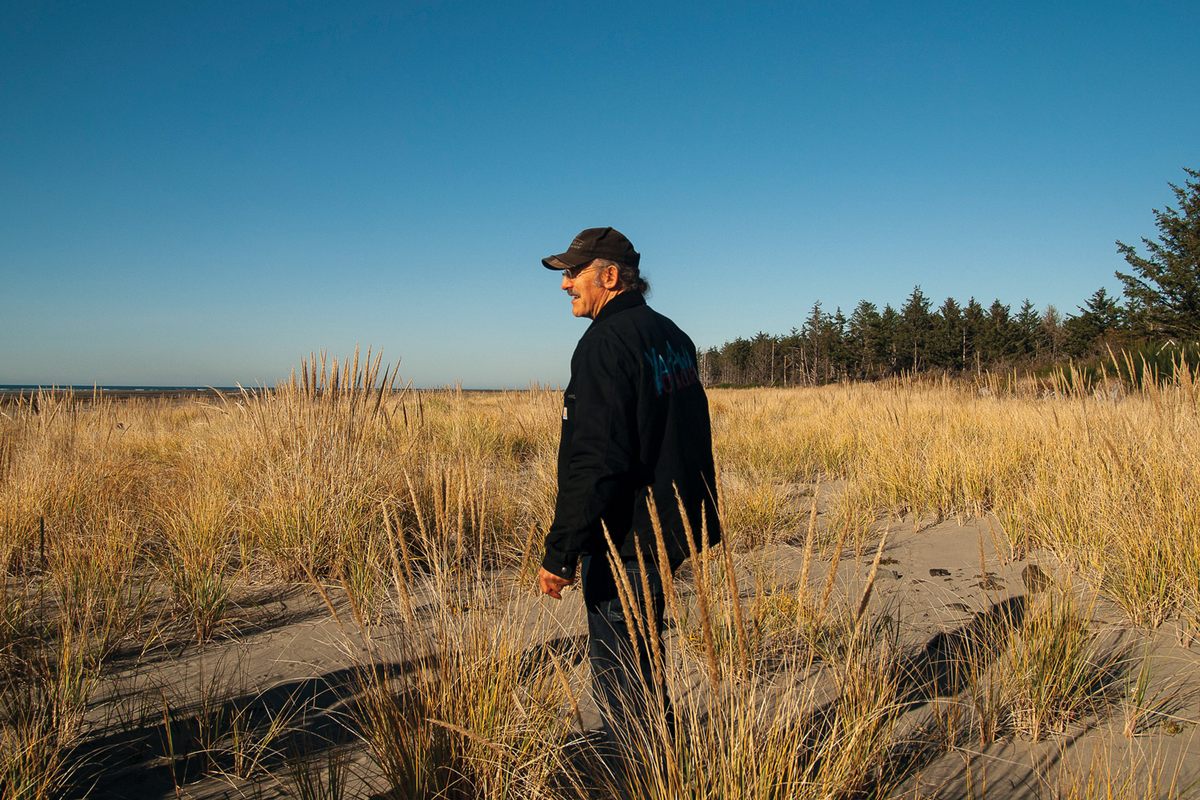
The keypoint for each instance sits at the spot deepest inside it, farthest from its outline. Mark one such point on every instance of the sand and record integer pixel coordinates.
(283, 650)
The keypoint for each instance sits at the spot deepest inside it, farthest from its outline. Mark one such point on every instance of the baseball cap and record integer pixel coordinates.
(593, 243)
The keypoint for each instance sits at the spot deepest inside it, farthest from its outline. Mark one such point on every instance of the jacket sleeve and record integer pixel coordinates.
(602, 451)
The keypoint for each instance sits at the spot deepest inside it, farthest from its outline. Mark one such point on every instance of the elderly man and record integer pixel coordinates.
(635, 428)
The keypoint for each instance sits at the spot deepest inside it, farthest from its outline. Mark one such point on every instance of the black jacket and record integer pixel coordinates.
(635, 421)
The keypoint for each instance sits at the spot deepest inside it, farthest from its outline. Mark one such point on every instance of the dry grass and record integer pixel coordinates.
(124, 524)
(1105, 482)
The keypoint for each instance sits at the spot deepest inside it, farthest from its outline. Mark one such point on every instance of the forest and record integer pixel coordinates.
(1156, 319)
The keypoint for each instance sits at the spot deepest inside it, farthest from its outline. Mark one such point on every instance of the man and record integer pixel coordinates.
(635, 427)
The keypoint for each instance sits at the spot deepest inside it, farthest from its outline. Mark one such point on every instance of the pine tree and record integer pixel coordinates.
(823, 335)
(1090, 328)
(863, 335)
(946, 347)
(763, 359)
(889, 335)
(915, 329)
(1028, 327)
(840, 354)
(1000, 336)
(737, 362)
(1166, 284)
(974, 319)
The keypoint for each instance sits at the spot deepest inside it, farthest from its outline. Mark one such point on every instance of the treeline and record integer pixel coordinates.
(1160, 304)
(873, 343)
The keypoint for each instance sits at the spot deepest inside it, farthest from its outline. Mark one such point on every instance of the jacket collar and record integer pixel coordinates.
(622, 302)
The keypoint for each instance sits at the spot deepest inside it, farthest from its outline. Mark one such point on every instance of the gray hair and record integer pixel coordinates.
(628, 278)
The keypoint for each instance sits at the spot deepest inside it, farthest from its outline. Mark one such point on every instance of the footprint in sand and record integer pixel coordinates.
(989, 582)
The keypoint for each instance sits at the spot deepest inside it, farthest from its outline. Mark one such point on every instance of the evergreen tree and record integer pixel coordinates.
(738, 358)
(889, 335)
(1166, 283)
(1000, 333)
(974, 319)
(946, 346)
(840, 353)
(1030, 340)
(863, 334)
(763, 359)
(1089, 330)
(823, 333)
(915, 330)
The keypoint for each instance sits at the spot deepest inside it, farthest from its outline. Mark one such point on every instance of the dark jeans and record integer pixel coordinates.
(622, 676)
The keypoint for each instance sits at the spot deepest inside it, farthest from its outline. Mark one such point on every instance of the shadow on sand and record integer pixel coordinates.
(152, 759)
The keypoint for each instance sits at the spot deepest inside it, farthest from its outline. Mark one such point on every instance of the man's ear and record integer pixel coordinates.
(611, 278)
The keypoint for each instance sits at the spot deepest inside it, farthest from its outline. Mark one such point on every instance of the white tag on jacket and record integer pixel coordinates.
(564, 412)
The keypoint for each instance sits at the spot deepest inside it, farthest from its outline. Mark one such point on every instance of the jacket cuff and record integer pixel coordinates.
(560, 563)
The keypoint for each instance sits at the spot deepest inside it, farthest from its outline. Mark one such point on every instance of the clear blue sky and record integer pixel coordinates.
(203, 192)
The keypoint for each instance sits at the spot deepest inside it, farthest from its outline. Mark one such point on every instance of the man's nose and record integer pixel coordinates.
(566, 281)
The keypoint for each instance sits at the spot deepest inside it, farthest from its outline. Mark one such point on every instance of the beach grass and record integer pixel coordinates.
(414, 520)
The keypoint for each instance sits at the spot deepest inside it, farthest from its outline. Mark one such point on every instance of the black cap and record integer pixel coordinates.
(592, 243)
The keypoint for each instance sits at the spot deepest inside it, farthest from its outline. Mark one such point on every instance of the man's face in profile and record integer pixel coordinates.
(581, 284)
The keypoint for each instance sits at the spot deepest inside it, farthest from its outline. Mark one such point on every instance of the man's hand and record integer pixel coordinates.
(551, 584)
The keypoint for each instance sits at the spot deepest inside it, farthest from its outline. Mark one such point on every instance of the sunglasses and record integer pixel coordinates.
(571, 273)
